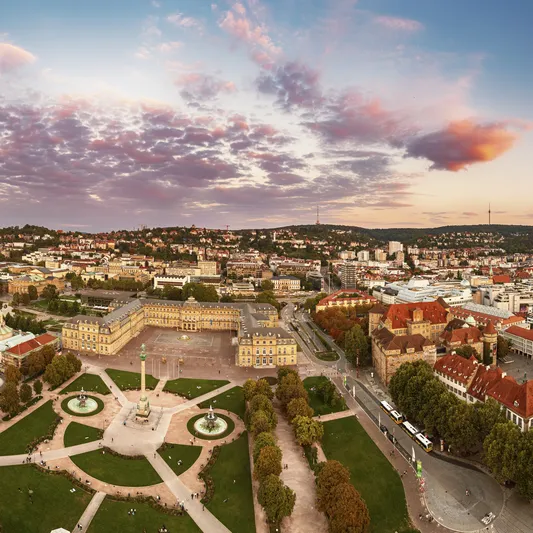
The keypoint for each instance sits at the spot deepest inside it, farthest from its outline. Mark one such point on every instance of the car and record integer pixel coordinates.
(383, 428)
(392, 438)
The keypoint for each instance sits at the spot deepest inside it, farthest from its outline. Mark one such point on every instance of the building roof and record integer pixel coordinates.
(500, 279)
(20, 350)
(390, 341)
(517, 398)
(485, 378)
(457, 367)
(378, 309)
(400, 314)
(346, 295)
(463, 335)
(523, 333)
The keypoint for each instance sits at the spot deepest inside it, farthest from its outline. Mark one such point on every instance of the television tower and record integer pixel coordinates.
(489, 213)
(317, 215)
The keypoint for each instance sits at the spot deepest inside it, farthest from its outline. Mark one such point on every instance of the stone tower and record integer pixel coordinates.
(490, 344)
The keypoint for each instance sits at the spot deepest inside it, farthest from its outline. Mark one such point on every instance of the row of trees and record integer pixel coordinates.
(200, 292)
(277, 499)
(12, 395)
(342, 504)
(425, 400)
(349, 331)
(24, 323)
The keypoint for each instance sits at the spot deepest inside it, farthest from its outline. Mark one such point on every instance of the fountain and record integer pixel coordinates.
(210, 424)
(184, 337)
(82, 403)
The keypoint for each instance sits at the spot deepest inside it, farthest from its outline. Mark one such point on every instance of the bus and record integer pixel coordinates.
(425, 443)
(397, 417)
(410, 429)
(387, 407)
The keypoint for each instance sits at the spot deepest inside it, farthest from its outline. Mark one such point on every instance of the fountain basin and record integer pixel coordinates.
(90, 406)
(197, 426)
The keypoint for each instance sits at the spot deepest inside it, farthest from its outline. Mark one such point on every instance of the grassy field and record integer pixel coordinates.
(180, 452)
(232, 502)
(113, 517)
(53, 504)
(117, 470)
(80, 434)
(131, 380)
(192, 388)
(14, 440)
(315, 401)
(371, 474)
(231, 400)
(89, 383)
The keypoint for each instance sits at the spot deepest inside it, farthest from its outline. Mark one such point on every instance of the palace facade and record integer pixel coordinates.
(260, 342)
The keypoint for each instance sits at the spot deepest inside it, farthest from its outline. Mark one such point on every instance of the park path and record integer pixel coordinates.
(159, 387)
(9, 460)
(200, 399)
(113, 387)
(301, 480)
(334, 416)
(91, 510)
(204, 519)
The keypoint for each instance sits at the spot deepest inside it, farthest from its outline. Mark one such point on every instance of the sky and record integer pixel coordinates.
(251, 113)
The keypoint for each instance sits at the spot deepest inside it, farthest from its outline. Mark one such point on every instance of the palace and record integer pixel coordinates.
(259, 339)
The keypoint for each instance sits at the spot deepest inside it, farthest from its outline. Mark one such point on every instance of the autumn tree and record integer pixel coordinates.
(268, 462)
(290, 387)
(307, 430)
(9, 398)
(263, 439)
(261, 421)
(25, 393)
(263, 387)
(348, 511)
(285, 371)
(329, 475)
(38, 386)
(12, 374)
(35, 363)
(299, 407)
(276, 499)
(249, 388)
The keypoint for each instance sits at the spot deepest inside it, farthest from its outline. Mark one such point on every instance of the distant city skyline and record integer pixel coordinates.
(253, 113)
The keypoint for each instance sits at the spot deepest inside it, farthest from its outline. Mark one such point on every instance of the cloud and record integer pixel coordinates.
(254, 35)
(169, 46)
(198, 86)
(181, 21)
(463, 143)
(293, 84)
(13, 57)
(400, 24)
(469, 214)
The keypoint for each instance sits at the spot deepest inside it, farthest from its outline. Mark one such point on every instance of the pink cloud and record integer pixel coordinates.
(179, 20)
(203, 86)
(463, 143)
(13, 57)
(400, 24)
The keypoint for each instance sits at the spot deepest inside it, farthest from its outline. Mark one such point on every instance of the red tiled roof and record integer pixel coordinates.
(25, 347)
(457, 367)
(483, 381)
(399, 314)
(484, 317)
(520, 332)
(490, 329)
(517, 398)
(390, 341)
(462, 335)
(501, 279)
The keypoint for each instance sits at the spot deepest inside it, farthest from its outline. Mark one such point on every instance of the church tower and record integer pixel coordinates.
(490, 344)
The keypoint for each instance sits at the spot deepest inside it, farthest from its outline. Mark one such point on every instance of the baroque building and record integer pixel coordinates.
(260, 342)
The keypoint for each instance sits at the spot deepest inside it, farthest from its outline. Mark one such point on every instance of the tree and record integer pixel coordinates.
(267, 285)
(264, 388)
(329, 475)
(9, 398)
(328, 392)
(524, 467)
(284, 371)
(38, 387)
(307, 430)
(16, 300)
(348, 511)
(249, 388)
(34, 363)
(200, 292)
(25, 298)
(260, 403)
(267, 297)
(261, 421)
(74, 361)
(227, 298)
(467, 351)
(25, 393)
(290, 387)
(59, 370)
(276, 499)
(263, 439)
(357, 346)
(48, 352)
(485, 416)
(503, 347)
(268, 462)
(49, 292)
(63, 307)
(299, 407)
(12, 374)
(462, 434)
(501, 449)
(32, 292)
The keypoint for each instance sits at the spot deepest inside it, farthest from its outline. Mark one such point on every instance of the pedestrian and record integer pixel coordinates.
(192, 496)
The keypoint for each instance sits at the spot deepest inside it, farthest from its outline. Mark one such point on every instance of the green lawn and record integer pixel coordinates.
(192, 388)
(80, 434)
(231, 400)
(89, 383)
(371, 474)
(14, 440)
(233, 483)
(53, 506)
(117, 470)
(180, 452)
(113, 517)
(315, 401)
(131, 380)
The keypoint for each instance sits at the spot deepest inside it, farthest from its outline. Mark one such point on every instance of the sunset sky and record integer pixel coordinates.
(386, 113)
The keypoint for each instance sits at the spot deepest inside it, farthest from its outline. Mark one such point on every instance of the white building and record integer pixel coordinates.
(160, 282)
(395, 246)
(286, 283)
(363, 256)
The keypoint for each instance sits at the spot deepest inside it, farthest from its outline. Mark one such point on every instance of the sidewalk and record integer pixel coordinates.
(91, 510)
